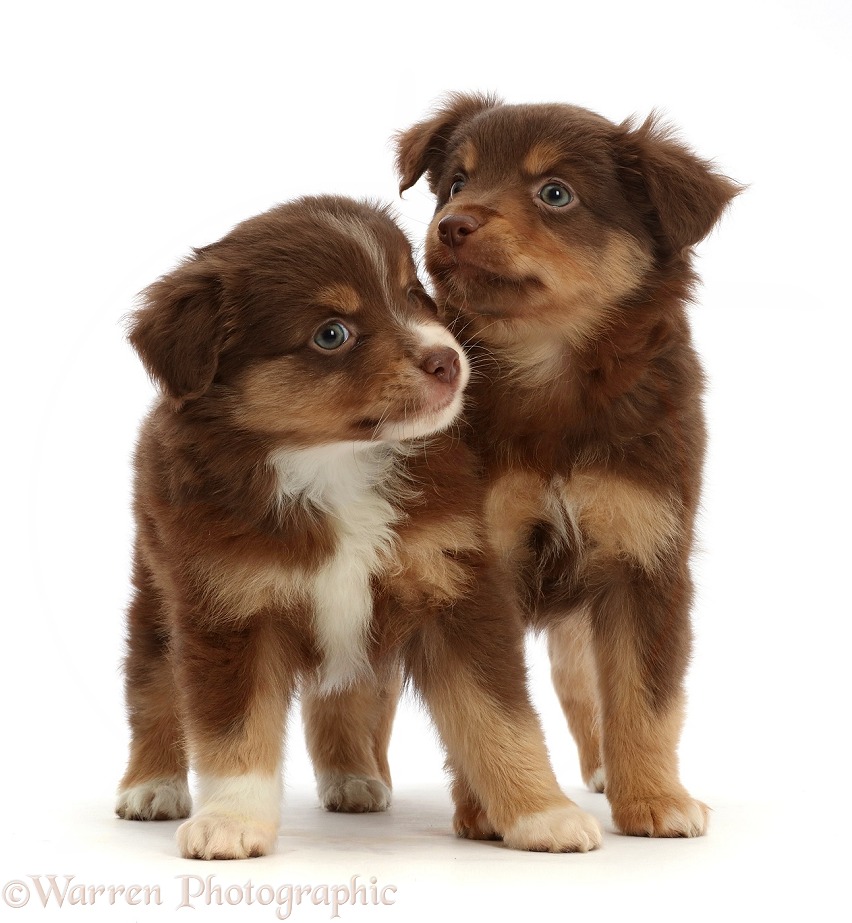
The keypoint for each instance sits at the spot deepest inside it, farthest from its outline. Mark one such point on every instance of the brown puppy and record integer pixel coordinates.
(303, 521)
(561, 255)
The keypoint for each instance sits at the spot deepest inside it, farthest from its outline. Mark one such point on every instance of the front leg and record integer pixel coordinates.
(641, 637)
(469, 667)
(236, 688)
(470, 820)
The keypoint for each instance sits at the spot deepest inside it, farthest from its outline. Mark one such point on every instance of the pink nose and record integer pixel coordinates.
(453, 229)
(443, 363)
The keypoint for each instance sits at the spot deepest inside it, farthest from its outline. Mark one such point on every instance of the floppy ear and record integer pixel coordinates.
(685, 194)
(178, 332)
(422, 148)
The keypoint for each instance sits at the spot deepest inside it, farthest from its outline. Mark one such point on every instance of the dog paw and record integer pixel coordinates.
(157, 799)
(225, 836)
(471, 823)
(351, 794)
(662, 816)
(596, 782)
(563, 829)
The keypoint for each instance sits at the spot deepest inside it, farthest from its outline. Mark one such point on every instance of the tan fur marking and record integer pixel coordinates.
(640, 756)
(469, 820)
(575, 678)
(348, 731)
(475, 734)
(583, 282)
(339, 297)
(624, 519)
(247, 588)
(513, 504)
(541, 158)
(468, 157)
(578, 288)
(261, 390)
(422, 566)
(257, 748)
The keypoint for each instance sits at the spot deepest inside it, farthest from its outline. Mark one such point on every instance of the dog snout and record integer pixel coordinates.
(443, 363)
(453, 229)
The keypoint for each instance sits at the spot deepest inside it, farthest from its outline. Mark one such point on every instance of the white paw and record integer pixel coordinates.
(157, 799)
(563, 829)
(352, 794)
(225, 836)
(597, 782)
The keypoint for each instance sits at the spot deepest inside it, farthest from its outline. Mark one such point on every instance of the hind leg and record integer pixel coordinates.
(154, 787)
(574, 672)
(348, 733)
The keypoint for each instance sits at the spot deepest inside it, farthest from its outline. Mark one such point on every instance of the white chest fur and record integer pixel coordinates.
(347, 482)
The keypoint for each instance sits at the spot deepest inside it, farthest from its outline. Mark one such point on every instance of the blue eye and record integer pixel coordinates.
(331, 336)
(458, 185)
(555, 194)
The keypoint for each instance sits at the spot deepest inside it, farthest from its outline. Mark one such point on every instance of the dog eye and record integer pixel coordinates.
(555, 194)
(458, 185)
(331, 336)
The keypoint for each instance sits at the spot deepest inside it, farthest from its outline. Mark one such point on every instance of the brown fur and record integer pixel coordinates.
(237, 599)
(586, 403)
(346, 733)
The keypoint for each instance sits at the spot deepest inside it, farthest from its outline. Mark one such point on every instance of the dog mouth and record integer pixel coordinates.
(474, 268)
(483, 288)
(413, 414)
(413, 419)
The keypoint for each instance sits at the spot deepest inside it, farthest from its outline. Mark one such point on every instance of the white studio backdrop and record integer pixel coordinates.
(133, 132)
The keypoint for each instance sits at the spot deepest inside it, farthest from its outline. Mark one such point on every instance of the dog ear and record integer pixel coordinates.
(178, 333)
(422, 148)
(686, 195)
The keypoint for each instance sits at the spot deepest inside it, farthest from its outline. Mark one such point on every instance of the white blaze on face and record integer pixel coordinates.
(432, 337)
(359, 232)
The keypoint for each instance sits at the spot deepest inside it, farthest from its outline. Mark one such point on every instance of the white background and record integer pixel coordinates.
(131, 132)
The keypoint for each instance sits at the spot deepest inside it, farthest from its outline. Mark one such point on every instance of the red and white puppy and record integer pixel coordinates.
(306, 521)
(561, 252)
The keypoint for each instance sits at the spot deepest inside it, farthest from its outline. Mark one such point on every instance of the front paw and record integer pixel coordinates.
(352, 794)
(562, 829)
(156, 799)
(225, 836)
(661, 816)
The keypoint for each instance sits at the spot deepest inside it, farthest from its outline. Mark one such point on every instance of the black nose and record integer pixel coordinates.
(443, 364)
(453, 229)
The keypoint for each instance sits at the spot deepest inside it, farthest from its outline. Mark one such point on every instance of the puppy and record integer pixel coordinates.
(561, 252)
(306, 522)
